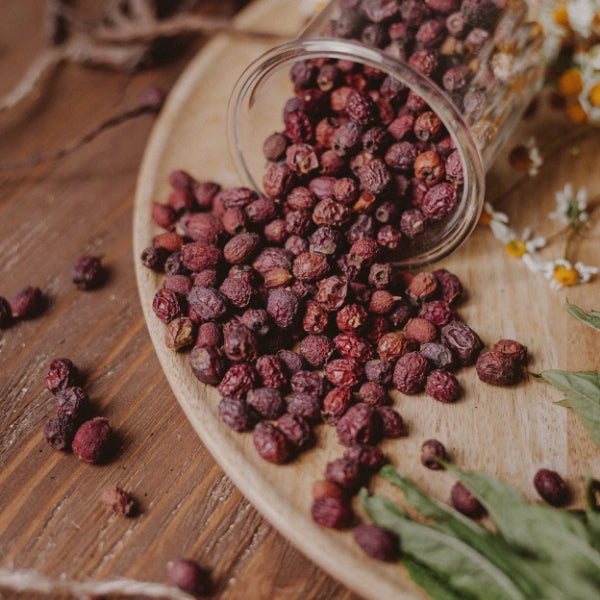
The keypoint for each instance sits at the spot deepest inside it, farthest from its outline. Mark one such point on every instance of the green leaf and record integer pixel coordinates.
(592, 318)
(583, 395)
(451, 521)
(429, 582)
(461, 566)
(558, 539)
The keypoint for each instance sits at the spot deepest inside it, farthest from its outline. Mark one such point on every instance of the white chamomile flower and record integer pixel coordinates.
(525, 244)
(561, 272)
(570, 207)
(581, 15)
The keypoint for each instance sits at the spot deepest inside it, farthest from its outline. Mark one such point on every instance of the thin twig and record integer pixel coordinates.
(47, 61)
(178, 25)
(113, 121)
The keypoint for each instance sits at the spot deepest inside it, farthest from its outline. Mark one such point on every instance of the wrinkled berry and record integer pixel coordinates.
(551, 487)
(377, 542)
(93, 440)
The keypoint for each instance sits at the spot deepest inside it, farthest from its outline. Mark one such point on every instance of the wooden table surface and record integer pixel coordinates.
(51, 519)
(52, 524)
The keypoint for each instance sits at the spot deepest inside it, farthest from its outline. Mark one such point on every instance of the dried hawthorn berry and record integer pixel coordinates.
(267, 402)
(431, 450)
(168, 305)
(328, 489)
(438, 312)
(292, 361)
(117, 500)
(235, 413)
(308, 382)
(61, 374)
(283, 307)
(438, 355)
(377, 542)
(358, 426)
(442, 386)
(238, 380)
(351, 317)
(316, 349)
(395, 344)
(93, 440)
(551, 487)
(239, 344)
(331, 292)
(88, 272)
(207, 302)
(238, 291)
(370, 457)
(197, 256)
(335, 404)
(343, 372)
(373, 393)
(59, 431)
(332, 512)
(421, 330)
(296, 429)
(180, 334)
(413, 223)
(462, 340)
(512, 349)
(27, 303)
(379, 370)
(496, 369)
(346, 472)
(315, 318)
(188, 576)
(207, 363)
(392, 425)
(410, 373)
(73, 402)
(423, 286)
(465, 502)
(271, 371)
(303, 404)
(439, 201)
(450, 286)
(270, 443)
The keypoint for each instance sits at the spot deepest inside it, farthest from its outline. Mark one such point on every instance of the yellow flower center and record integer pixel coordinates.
(485, 218)
(595, 95)
(561, 16)
(566, 275)
(516, 248)
(570, 83)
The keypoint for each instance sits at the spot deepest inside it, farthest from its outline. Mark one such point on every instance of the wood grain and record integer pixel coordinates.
(51, 521)
(510, 433)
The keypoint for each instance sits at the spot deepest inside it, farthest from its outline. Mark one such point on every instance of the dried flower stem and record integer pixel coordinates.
(26, 580)
(178, 25)
(113, 121)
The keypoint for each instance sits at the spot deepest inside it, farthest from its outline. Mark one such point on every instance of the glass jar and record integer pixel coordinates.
(410, 99)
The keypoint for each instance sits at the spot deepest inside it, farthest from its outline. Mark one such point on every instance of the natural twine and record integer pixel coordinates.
(28, 580)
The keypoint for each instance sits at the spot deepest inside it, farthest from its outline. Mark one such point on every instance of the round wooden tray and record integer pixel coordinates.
(508, 432)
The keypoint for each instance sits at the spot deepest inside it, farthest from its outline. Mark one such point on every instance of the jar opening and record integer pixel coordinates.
(259, 101)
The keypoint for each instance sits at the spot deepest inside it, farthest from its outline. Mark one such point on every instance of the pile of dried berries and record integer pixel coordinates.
(298, 322)
(71, 429)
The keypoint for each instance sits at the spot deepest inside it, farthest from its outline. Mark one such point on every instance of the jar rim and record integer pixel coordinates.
(286, 54)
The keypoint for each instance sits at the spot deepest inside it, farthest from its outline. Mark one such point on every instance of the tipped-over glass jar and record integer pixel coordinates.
(383, 116)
